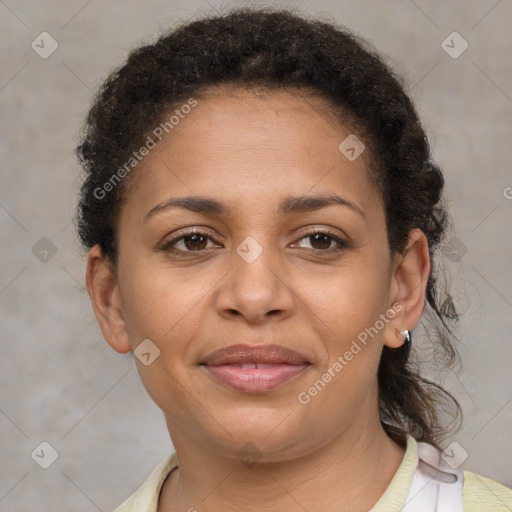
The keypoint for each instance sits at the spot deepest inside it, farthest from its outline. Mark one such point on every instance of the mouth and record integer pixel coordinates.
(254, 369)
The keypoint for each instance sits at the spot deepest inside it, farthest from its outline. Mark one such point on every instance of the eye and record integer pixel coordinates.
(196, 240)
(321, 240)
(193, 240)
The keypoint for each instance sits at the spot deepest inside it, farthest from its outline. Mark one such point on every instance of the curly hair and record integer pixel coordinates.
(282, 49)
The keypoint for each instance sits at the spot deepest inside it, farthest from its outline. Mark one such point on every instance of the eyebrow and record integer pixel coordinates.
(289, 205)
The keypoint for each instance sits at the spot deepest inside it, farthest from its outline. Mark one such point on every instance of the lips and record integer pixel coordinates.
(245, 354)
(254, 369)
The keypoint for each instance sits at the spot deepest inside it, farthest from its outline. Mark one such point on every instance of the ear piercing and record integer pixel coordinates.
(407, 336)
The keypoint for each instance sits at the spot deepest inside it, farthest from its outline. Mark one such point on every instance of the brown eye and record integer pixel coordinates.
(322, 241)
(193, 241)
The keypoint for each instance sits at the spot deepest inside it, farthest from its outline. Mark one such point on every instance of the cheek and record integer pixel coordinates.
(165, 306)
(348, 310)
(346, 380)
(348, 302)
(160, 302)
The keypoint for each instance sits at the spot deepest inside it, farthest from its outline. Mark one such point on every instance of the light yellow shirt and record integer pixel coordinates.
(480, 494)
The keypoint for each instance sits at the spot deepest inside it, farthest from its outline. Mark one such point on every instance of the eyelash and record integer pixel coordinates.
(342, 244)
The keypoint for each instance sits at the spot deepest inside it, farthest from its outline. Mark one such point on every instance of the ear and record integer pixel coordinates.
(105, 299)
(408, 287)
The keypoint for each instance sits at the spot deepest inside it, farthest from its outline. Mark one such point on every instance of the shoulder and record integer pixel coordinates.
(481, 494)
(145, 498)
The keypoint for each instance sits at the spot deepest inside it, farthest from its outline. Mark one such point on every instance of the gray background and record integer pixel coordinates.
(62, 383)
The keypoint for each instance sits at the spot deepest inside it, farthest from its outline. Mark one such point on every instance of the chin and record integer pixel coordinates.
(267, 428)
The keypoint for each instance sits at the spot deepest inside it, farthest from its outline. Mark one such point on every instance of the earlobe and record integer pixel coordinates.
(409, 282)
(394, 331)
(105, 300)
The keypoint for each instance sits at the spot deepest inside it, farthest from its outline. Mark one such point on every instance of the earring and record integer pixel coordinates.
(407, 336)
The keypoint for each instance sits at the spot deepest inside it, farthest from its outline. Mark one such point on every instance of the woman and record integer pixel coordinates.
(261, 213)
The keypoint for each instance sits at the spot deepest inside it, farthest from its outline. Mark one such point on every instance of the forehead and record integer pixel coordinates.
(251, 148)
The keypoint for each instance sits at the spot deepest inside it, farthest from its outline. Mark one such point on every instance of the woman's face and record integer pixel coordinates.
(256, 274)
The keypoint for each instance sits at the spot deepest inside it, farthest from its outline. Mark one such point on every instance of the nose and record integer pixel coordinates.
(256, 288)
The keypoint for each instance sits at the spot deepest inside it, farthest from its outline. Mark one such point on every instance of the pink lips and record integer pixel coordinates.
(255, 369)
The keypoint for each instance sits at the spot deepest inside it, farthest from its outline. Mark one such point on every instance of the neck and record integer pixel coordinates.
(349, 473)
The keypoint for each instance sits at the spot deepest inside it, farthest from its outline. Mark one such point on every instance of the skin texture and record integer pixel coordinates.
(250, 151)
